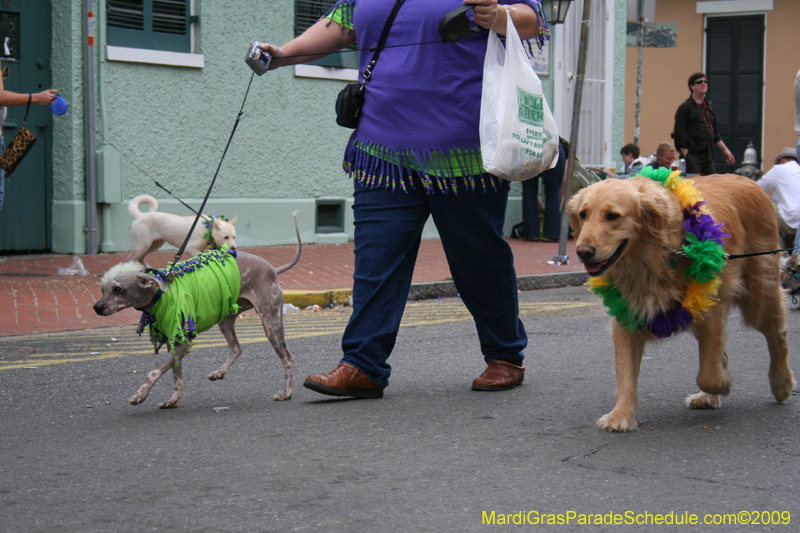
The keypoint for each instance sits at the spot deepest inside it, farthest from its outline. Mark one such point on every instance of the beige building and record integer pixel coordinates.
(749, 51)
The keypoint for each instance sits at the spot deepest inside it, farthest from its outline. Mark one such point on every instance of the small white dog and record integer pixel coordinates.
(151, 229)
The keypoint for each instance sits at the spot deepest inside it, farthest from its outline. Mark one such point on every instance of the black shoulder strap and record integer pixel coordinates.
(382, 40)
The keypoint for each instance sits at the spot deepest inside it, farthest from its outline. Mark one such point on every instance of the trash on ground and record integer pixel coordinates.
(75, 269)
(220, 409)
(289, 309)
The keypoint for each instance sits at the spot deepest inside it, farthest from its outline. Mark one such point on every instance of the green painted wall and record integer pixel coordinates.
(170, 124)
(618, 117)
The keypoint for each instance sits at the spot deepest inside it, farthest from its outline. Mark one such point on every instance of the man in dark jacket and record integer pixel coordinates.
(695, 129)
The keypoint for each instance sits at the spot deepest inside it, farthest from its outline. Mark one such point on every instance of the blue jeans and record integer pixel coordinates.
(388, 229)
(796, 242)
(551, 179)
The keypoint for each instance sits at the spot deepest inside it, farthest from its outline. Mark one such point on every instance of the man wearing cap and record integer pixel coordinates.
(695, 129)
(783, 183)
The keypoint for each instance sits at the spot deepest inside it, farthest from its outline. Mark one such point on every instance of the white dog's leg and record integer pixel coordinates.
(152, 377)
(629, 348)
(234, 348)
(177, 376)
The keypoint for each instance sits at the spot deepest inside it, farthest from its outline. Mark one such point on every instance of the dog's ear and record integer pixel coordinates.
(657, 213)
(145, 282)
(572, 212)
(233, 222)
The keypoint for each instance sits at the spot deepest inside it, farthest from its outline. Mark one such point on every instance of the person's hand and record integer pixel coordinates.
(729, 157)
(485, 12)
(274, 52)
(45, 98)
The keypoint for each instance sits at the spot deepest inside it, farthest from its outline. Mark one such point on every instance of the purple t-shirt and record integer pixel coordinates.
(422, 105)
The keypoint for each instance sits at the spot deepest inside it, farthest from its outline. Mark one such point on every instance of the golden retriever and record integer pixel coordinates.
(627, 229)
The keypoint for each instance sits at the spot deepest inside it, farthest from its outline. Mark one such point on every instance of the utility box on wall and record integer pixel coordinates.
(109, 176)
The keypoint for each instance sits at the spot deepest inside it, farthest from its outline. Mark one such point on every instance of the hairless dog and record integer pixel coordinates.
(130, 285)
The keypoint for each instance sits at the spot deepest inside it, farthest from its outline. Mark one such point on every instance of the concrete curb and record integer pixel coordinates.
(424, 291)
(328, 298)
(432, 290)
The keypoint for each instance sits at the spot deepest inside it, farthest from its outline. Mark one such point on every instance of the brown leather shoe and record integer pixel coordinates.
(345, 380)
(499, 375)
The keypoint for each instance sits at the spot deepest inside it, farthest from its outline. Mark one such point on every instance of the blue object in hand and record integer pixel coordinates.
(59, 105)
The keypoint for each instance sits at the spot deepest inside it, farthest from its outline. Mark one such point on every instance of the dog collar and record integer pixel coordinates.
(207, 236)
(703, 245)
(149, 307)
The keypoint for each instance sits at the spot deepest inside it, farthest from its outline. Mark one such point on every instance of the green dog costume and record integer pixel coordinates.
(204, 291)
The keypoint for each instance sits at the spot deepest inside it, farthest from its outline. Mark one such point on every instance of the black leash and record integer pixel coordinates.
(739, 256)
(131, 161)
(368, 49)
(214, 180)
(760, 253)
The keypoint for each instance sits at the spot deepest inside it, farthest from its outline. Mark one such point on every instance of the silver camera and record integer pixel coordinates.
(257, 59)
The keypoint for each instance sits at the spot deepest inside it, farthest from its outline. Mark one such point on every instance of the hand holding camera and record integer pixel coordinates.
(257, 58)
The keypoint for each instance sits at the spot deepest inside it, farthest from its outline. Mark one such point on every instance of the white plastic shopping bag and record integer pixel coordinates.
(519, 139)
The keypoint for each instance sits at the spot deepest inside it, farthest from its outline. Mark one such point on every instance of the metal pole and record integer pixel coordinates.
(89, 138)
(573, 134)
(639, 61)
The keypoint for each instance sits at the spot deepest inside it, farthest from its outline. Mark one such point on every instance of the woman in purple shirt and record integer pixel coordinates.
(414, 154)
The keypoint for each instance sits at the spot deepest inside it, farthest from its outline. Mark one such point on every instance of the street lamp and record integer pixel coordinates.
(556, 10)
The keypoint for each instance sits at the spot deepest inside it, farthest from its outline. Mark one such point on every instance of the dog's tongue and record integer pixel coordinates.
(591, 268)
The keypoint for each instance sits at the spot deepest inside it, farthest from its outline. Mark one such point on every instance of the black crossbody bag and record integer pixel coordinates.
(351, 98)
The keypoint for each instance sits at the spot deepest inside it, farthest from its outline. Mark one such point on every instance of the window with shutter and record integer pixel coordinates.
(306, 14)
(735, 70)
(149, 24)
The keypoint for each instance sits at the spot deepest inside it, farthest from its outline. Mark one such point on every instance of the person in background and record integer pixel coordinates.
(782, 183)
(416, 153)
(695, 130)
(797, 111)
(632, 163)
(552, 180)
(8, 99)
(665, 156)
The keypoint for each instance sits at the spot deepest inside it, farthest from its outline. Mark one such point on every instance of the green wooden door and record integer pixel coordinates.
(735, 72)
(25, 220)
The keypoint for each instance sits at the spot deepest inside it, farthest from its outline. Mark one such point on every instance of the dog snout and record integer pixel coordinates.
(586, 253)
(100, 308)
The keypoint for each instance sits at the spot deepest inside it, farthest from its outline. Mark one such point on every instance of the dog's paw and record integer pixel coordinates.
(217, 374)
(283, 395)
(616, 422)
(703, 400)
(718, 385)
(782, 386)
(169, 404)
(137, 398)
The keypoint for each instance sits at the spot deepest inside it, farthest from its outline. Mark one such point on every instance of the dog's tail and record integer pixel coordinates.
(133, 205)
(296, 259)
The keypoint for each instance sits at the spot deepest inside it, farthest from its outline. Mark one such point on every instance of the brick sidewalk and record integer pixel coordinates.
(35, 298)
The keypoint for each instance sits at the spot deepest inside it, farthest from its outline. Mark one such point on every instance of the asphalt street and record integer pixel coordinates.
(432, 455)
